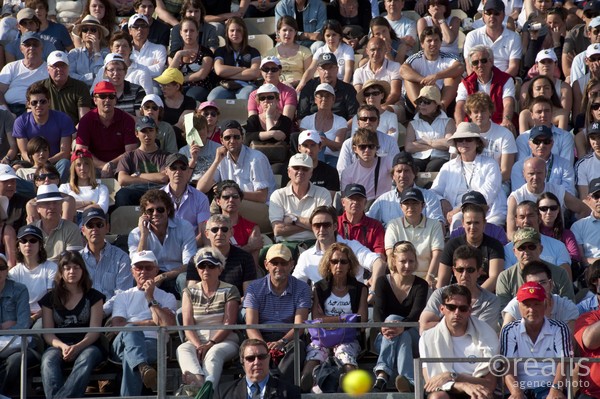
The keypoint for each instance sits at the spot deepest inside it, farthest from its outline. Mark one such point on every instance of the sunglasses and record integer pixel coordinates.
(482, 61)
(233, 136)
(104, 96)
(326, 225)
(90, 30)
(594, 59)
(528, 247)
(272, 69)
(3, 268)
(595, 31)
(252, 358)
(139, 27)
(265, 98)
(150, 211)
(595, 106)
(491, 12)
(29, 240)
(364, 147)
(367, 118)
(206, 265)
(372, 93)
(181, 167)
(423, 101)
(461, 270)
(461, 308)
(151, 107)
(147, 268)
(31, 43)
(35, 103)
(338, 261)
(228, 197)
(302, 168)
(216, 229)
(552, 208)
(206, 114)
(44, 176)
(465, 140)
(596, 195)
(542, 141)
(97, 225)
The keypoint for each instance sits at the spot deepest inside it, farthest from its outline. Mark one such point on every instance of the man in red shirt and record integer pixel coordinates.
(587, 336)
(355, 225)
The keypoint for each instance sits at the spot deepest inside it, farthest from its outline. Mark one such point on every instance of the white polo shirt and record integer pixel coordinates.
(507, 47)
(587, 169)
(508, 90)
(587, 233)
(426, 67)
(390, 70)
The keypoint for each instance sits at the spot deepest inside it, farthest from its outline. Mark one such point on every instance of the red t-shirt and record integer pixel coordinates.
(369, 232)
(106, 143)
(242, 231)
(589, 373)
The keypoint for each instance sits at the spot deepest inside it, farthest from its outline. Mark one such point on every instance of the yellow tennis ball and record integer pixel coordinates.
(357, 382)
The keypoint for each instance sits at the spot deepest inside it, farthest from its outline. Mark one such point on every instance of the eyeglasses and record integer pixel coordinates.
(301, 168)
(469, 270)
(465, 140)
(139, 27)
(35, 103)
(552, 208)
(483, 61)
(104, 96)
(272, 69)
(216, 229)
(29, 240)
(595, 31)
(364, 147)
(181, 167)
(461, 308)
(492, 12)
(97, 225)
(527, 247)
(423, 101)
(232, 137)
(147, 268)
(150, 211)
(265, 98)
(595, 106)
(89, 29)
(372, 93)
(542, 141)
(31, 43)
(228, 197)
(325, 225)
(206, 114)
(338, 261)
(44, 176)
(151, 107)
(367, 118)
(252, 358)
(596, 195)
(594, 59)
(205, 265)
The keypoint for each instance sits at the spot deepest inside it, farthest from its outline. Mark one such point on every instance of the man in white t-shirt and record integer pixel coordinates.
(405, 28)
(146, 53)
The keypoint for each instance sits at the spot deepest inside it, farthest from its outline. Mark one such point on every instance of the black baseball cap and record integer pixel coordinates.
(326, 58)
(403, 158)
(540, 131)
(496, 5)
(30, 230)
(231, 124)
(594, 185)
(412, 194)
(473, 197)
(176, 157)
(92, 213)
(354, 189)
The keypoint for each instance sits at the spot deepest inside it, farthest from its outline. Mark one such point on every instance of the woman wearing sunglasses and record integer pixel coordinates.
(428, 133)
(376, 93)
(209, 302)
(270, 125)
(48, 174)
(270, 69)
(553, 225)
(86, 60)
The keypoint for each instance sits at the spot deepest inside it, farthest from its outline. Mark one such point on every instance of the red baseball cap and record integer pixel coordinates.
(531, 290)
(81, 153)
(104, 87)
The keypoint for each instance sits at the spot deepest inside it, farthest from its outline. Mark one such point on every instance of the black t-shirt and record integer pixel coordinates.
(171, 115)
(253, 128)
(345, 104)
(490, 248)
(326, 176)
(232, 58)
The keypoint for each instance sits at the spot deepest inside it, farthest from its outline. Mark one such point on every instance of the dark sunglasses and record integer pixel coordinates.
(139, 27)
(542, 141)
(372, 93)
(461, 308)
(595, 106)
(209, 113)
(206, 265)
(89, 29)
(44, 176)
(528, 247)
(227, 197)
(267, 69)
(3, 268)
(594, 59)
(423, 101)
(147, 268)
(104, 96)
(216, 229)
(252, 358)
(35, 103)
(367, 118)
(461, 270)
(364, 147)
(596, 195)
(29, 240)
(265, 98)
(150, 211)
(338, 261)
(552, 208)
(233, 136)
(303, 168)
(595, 31)
(31, 43)
(465, 140)
(326, 225)
(483, 61)
(181, 167)
(98, 225)
(151, 107)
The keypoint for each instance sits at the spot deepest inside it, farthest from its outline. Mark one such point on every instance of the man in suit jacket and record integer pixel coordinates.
(257, 383)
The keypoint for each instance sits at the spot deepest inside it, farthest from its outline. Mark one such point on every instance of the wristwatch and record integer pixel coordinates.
(556, 386)
(153, 302)
(285, 341)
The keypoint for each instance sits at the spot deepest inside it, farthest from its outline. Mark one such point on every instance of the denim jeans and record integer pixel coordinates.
(220, 92)
(10, 370)
(397, 354)
(133, 349)
(74, 386)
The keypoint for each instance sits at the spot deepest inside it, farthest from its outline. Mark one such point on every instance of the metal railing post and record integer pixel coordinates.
(23, 387)
(418, 383)
(161, 353)
(297, 359)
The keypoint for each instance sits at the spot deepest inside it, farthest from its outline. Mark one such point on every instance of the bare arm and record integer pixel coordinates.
(427, 320)
(65, 150)
(496, 266)
(511, 225)
(444, 275)
(513, 67)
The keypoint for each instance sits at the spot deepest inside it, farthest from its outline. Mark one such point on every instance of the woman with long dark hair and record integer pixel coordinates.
(553, 225)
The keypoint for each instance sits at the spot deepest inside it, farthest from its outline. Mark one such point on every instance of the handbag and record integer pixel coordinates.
(330, 337)
(230, 84)
(9, 344)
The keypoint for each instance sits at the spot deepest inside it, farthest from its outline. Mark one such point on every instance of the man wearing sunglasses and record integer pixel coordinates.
(578, 37)
(458, 334)
(106, 132)
(109, 267)
(466, 268)
(558, 169)
(152, 55)
(587, 230)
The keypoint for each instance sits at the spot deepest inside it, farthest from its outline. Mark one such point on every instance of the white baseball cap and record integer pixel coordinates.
(7, 173)
(301, 160)
(267, 88)
(270, 58)
(325, 87)
(143, 256)
(154, 98)
(110, 57)
(309, 135)
(593, 49)
(57, 56)
(136, 17)
(547, 54)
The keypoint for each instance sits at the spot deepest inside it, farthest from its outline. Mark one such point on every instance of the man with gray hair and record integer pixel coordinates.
(486, 77)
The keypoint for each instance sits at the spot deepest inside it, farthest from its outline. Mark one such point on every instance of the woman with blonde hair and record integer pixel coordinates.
(83, 186)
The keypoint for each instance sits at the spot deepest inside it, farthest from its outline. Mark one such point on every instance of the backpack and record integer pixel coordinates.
(327, 376)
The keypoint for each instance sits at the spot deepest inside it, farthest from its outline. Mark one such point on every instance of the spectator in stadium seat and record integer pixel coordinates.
(270, 68)
(153, 56)
(311, 24)
(592, 298)
(16, 201)
(48, 174)
(153, 106)
(159, 31)
(405, 28)
(249, 168)
(323, 175)
(478, 340)
(527, 248)
(535, 335)
(587, 230)
(83, 186)
(109, 267)
(490, 229)
(27, 21)
(193, 9)
(588, 166)
(377, 93)
(144, 304)
(270, 125)
(106, 132)
(67, 95)
(200, 157)
(587, 328)
(466, 267)
(85, 61)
